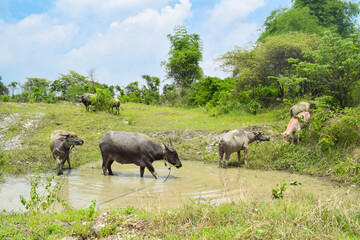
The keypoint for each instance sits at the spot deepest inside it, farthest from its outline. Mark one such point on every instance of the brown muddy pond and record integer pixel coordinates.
(194, 182)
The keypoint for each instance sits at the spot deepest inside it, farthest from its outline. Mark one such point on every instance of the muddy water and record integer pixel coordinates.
(194, 182)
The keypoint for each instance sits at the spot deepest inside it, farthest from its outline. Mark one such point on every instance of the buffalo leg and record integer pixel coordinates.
(239, 156)
(68, 160)
(60, 167)
(226, 160)
(150, 167)
(142, 170)
(109, 166)
(221, 155)
(245, 156)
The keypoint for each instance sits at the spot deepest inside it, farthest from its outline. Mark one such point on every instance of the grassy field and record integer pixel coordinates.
(331, 152)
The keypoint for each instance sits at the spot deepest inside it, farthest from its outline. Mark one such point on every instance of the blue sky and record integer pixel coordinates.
(119, 39)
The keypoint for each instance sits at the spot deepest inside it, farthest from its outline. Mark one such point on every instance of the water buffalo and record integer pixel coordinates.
(136, 148)
(235, 141)
(114, 103)
(85, 99)
(60, 143)
(296, 125)
(301, 107)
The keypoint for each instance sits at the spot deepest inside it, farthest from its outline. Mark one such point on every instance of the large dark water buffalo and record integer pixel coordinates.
(60, 143)
(136, 148)
(85, 99)
(235, 141)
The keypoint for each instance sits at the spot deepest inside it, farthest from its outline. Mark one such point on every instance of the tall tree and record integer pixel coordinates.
(183, 65)
(13, 85)
(3, 89)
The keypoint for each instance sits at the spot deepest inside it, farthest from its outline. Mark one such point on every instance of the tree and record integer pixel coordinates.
(13, 85)
(67, 80)
(151, 91)
(185, 54)
(133, 91)
(284, 20)
(338, 15)
(313, 17)
(3, 89)
(335, 68)
(40, 83)
(267, 61)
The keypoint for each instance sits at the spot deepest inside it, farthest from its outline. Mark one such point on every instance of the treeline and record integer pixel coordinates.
(310, 50)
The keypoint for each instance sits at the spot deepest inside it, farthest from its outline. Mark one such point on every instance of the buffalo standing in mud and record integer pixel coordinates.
(60, 144)
(136, 148)
(235, 141)
(85, 99)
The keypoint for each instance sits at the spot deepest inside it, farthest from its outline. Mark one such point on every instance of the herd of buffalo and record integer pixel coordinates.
(141, 150)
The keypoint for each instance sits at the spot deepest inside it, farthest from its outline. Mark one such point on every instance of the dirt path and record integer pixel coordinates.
(11, 120)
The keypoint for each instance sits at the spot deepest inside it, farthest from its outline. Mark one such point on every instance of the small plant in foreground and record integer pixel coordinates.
(38, 202)
(278, 192)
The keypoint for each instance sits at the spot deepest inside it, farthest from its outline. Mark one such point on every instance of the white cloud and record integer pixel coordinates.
(35, 34)
(78, 9)
(131, 47)
(228, 11)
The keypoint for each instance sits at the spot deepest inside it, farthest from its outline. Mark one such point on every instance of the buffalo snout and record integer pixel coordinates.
(79, 142)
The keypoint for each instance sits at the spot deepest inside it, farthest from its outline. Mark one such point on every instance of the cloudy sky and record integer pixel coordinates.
(119, 39)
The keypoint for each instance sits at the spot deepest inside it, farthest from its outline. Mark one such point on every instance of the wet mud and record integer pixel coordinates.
(194, 182)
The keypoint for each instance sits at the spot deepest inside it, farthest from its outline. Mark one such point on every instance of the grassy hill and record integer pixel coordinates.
(332, 151)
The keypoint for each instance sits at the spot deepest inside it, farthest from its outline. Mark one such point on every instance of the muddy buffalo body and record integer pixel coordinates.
(135, 148)
(235, 141)
(60, 144)
(85, 99)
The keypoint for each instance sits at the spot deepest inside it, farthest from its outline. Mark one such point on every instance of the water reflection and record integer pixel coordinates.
(195, 181)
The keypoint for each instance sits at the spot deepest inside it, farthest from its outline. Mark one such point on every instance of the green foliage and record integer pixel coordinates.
(264, 64)
(278, 191)
(150, 92)
(185, 54)
(313, 17)
(339, 16)
(335, 68)
(103, 99)
(3, 89)
(284, 20)
(254, 106)
(74, 90)
(50, 194)
(343, 132)
(5, 98)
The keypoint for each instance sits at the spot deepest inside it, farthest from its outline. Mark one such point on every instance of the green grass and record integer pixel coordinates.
(298, 217)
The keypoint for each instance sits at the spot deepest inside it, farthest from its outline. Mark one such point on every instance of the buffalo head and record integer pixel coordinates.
(171, 155)
(72, 139)
(259, 136)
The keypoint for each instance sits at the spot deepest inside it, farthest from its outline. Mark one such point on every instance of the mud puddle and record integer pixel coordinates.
(194, 182)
